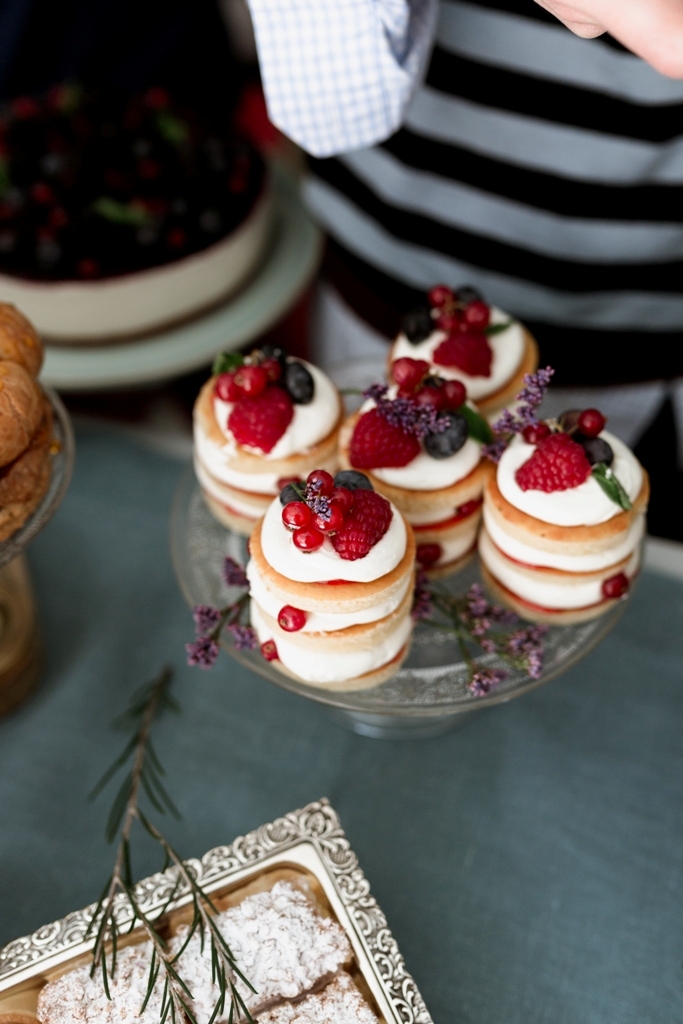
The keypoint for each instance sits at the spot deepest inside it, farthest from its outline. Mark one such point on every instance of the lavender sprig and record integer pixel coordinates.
(526, 406)
(406, 413)
(210, 622)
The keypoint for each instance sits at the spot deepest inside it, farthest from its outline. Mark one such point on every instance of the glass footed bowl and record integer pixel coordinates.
(428, 694)
(62, 462)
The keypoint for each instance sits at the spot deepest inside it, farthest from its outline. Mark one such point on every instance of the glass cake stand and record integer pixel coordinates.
(20, 644)
(427, 696)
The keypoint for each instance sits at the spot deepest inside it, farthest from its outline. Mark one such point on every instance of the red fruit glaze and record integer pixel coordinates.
(331, 524)
(375, 443)
(428, 554)
(470, 352)
(591, 422)
(477, 315)
(308, 539)
(455, 393)
(535, 433)
(321, 480)
(251, 379)
(296, 515)
(291, 619)
(557, 464)
(260, 422)
(226, 389)
(365, 525)
(615, 586)
(409, 372)
(272, 369)
(269, 650)
(440, 294)
(430, 395)
(342, 497)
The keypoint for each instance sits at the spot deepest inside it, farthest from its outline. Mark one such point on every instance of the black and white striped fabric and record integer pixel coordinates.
(545, 169)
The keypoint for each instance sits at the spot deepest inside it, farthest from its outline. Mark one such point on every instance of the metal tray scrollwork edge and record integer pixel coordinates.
(317, 823)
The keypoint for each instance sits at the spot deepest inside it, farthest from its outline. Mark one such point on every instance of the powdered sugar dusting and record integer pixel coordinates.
(339, 1003)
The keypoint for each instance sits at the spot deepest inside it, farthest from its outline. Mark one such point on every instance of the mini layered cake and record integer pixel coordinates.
(259, 422)
(420, 443)
(331, 578)
(462, 338)
(564, 518)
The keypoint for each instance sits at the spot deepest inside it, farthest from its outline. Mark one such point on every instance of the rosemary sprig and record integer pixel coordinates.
(145, 775)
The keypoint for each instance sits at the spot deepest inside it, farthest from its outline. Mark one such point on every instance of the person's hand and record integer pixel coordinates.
(653, 29)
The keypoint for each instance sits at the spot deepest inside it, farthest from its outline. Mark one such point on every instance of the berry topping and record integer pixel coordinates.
(569, 420)
(226, 389)
(455, 393)
(321, 481)
(365, 525)
(431, 394)
(299, 383)
(615, 586)
(352, 480)
(343, 498)
(470, 352)
(260, 422)
(468, 294)
(477, 315)
(417, 324)
(329, 521)
(296, 515)
(291, 619)
(596, 449)
(591, 422)
(440, 295)
(409, 373)
(449, 320)
(290, 493)
(557, 464)
(269, 650)
(376, 442)
(428, 554)
(251, 380)
(534, 433)
(450, 440)
(272, 368)
(308, 539)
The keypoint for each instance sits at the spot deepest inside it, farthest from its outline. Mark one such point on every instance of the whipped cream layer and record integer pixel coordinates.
(250, 509)
(562, 595)
(585, 505)
(216, 459)
(310, 423)
(556, 560)
(337, 667)
(507, 348)
(277, 544)
(317, 622)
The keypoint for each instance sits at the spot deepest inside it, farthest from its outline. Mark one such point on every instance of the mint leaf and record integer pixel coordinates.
(477, 427)
(133, 214)
(611, 486)
(497, 328)
(226, 362)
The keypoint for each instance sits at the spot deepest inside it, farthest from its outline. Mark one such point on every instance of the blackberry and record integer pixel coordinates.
(299, 383)
(417, 324)
(288, 494)
(353, 480)
(596, 449)
(468, 294)
(451, 440)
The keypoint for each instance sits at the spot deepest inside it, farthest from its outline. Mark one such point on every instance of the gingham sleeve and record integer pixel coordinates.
(338, 74)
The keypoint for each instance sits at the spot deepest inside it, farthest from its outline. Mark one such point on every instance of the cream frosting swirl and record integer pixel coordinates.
(585, 505)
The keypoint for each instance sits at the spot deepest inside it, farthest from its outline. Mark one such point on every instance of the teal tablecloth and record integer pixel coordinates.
(530, 864)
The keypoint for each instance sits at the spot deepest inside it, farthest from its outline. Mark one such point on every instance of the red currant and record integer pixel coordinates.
(535, 433)
(431, 395)
(251, 379)
(226, 388)
(477, 315)
(308, 539)
(428, 554)
(440, 295)
(272, 369)
(331, 523)
(342, 497)
(409, 372)
(591, 422)
(615, 586)
(296, 515)
(455, 393)
(291, 619)
(450, 322)
(269, 650)
(321, 480)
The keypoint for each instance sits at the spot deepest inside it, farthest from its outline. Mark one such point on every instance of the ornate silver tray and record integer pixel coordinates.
(310, 840)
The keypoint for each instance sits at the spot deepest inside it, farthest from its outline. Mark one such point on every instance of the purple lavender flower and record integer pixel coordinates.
(318, 503)
(422, 598)
(485, 680)
(488, 645)
(527, 645)
(233, 573)
(202, 652)
(524, 415)
(206, 619)
(376, 392)
(476, 601)
(244, 637)
(406, 414)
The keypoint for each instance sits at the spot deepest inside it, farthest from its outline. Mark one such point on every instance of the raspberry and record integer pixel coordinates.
(557, 464)
(260, 422)
(376, 442)
(366, 524)
(470, 352)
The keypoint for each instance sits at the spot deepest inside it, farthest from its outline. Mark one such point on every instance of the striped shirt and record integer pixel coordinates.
(545, 169)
